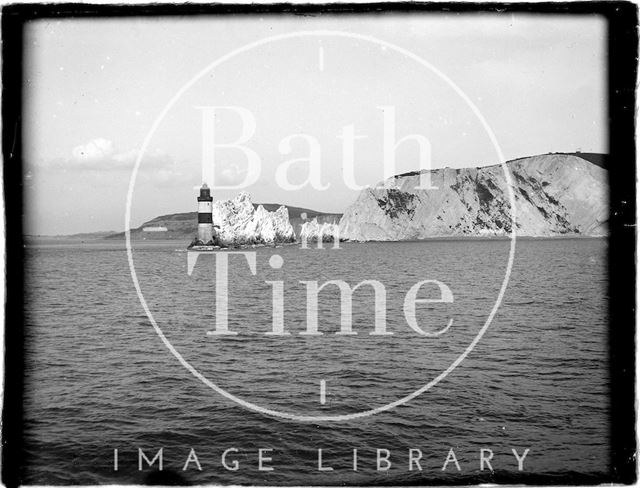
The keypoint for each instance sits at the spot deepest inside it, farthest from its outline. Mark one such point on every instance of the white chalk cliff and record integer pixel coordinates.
(240, 223)
(556, 194)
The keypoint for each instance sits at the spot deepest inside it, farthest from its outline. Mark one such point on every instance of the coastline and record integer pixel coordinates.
(30, 240)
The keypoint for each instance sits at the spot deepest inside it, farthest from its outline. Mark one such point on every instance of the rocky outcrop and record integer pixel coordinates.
(313, 231)
(241, 223)
(556, 194)
(183, 226)
(306, 218)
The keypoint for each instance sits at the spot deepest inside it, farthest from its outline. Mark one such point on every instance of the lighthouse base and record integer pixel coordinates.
(211, 245)
(204, 248)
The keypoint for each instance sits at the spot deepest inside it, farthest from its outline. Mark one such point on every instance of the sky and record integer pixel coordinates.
(95, 90)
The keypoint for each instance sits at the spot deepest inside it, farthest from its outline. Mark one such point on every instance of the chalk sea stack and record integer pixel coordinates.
(242, 223)
(314, 231)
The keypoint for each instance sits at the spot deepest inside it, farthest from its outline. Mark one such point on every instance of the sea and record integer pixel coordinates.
(110, 388)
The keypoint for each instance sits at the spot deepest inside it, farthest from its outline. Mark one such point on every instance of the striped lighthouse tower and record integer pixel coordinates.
(205, 221)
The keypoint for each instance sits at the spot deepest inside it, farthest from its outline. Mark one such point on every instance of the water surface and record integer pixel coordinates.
(98, 377)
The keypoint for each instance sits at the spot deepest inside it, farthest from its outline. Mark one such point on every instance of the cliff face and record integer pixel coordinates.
(556, 194)
(242, 223)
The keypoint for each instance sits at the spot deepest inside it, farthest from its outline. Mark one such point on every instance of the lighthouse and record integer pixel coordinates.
(205, 220)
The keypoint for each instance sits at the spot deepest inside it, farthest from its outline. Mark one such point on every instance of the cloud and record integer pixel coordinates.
(231, 174)
(102, 155)
(100, 158)
(96, 150)
(126, 158)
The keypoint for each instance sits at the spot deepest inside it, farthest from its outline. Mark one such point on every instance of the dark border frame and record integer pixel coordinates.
(622, 18)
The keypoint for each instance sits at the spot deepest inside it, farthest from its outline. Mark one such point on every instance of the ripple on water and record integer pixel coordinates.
(98, 377)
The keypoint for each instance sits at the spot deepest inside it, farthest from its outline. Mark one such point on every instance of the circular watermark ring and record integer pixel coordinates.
(320, 418)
